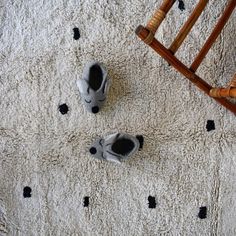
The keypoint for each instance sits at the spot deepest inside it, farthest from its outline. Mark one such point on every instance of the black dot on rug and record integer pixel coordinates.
(27, 192)
(63, 108)
(202, 212)
(210, 125)
(151, 202)
(181, 5)
(76, 33)
(86, 201)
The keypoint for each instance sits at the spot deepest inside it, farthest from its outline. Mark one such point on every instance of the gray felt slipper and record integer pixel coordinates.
(116, 147)
(93, 86)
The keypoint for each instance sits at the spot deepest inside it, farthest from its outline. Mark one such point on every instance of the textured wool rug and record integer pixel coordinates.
(183, 180)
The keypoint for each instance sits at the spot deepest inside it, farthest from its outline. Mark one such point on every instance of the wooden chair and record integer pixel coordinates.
(147, 34)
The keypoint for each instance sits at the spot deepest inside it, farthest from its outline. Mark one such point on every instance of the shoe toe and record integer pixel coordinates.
(95, 109)
(93, 150)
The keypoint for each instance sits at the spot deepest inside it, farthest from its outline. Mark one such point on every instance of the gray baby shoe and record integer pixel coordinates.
(93, 86)
(116, 147)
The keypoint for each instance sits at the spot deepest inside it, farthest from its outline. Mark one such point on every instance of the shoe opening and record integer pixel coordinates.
(123, 146)
(95, 77)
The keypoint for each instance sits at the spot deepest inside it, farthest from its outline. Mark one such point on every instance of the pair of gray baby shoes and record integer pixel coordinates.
(93, 88)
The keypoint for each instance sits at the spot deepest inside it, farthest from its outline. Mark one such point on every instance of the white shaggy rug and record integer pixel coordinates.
(182, 167)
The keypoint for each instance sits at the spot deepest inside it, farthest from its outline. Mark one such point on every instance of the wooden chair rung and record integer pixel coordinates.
(188, 26)
(215, 33)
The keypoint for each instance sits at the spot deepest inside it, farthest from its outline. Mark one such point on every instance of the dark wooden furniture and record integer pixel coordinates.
(147, 35)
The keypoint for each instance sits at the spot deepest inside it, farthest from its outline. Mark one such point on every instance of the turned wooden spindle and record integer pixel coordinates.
(157, 19)
(225, 92)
